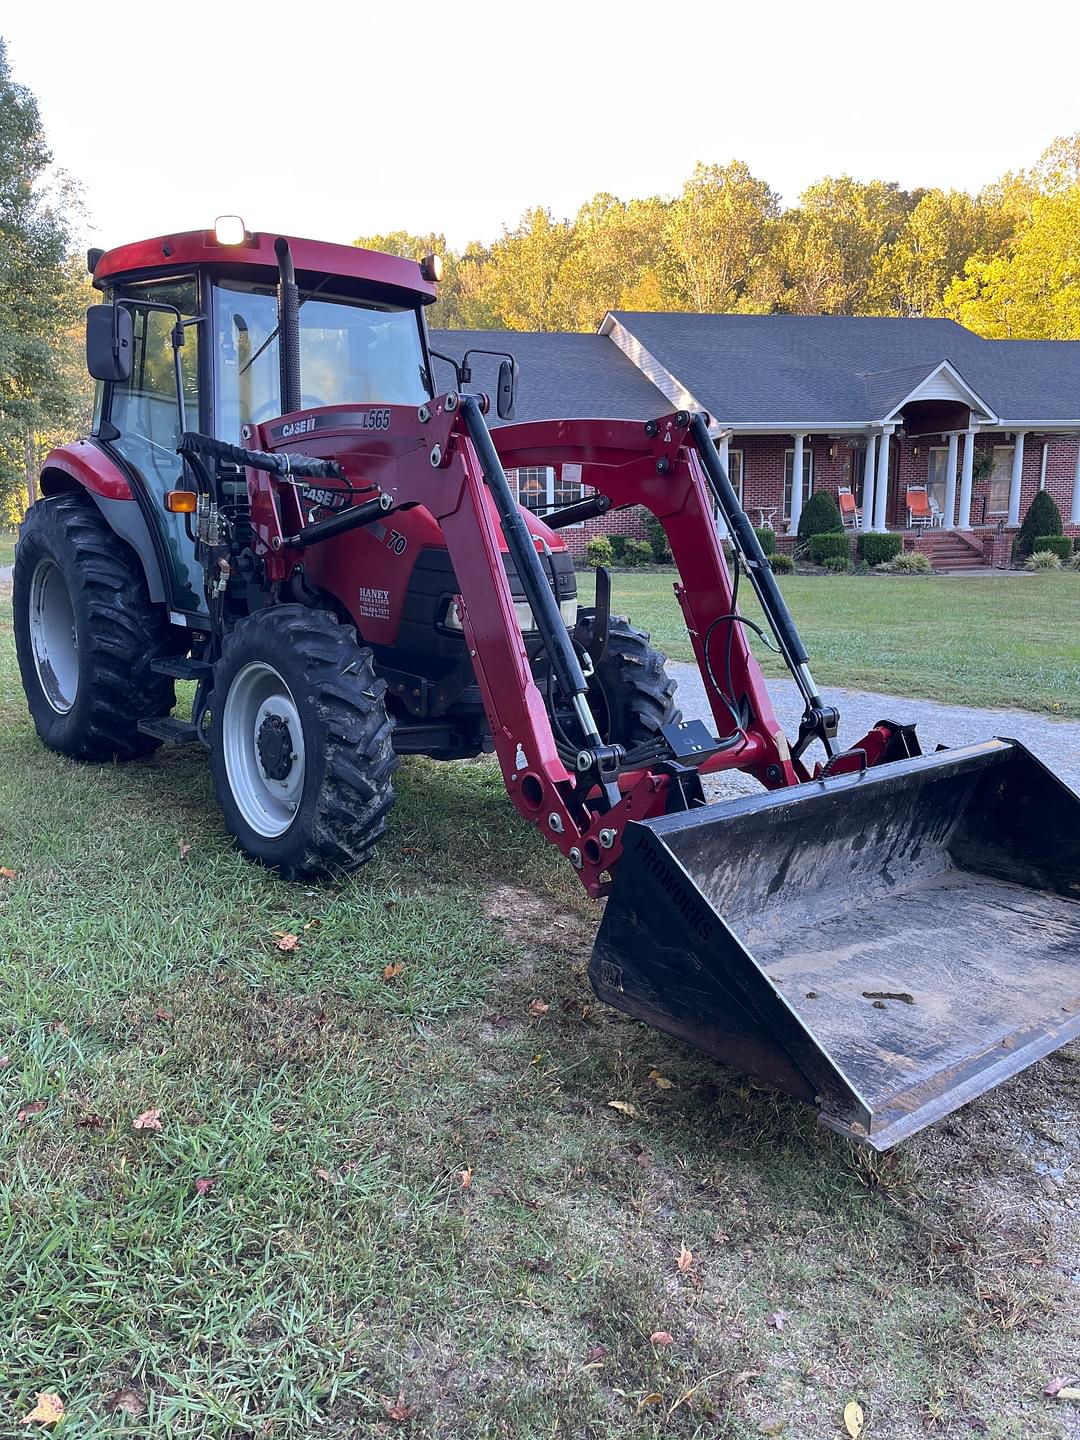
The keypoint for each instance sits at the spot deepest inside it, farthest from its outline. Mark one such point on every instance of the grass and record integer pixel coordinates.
(1001, 640)
(7, 548)
(340, 1260)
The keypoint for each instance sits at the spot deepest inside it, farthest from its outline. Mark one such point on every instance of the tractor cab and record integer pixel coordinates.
(205, 355)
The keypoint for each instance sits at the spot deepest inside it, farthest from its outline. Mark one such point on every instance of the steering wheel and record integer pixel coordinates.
(268, 412)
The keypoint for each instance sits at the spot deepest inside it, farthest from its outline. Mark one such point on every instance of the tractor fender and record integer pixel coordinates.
(84, 466)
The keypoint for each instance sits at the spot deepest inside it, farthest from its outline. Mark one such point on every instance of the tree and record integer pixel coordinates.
(826, 248)
(39, 295)
(820, 515)
(1043, 518)
(715, 237)
(911, 275)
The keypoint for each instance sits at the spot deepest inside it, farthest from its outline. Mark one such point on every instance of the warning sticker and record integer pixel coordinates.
(374, 604)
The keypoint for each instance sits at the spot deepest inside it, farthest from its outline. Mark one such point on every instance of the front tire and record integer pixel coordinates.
(300, 743)
(86, 632)
(630, 691)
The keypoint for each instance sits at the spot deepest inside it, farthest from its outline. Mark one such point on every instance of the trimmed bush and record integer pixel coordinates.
(908, 562)
(830, 547)
(1043, 560)
(1059, 545)
(767, 537)
(781, 564)
(618, 545)
(598, 552)
(820, 515)
(878, 549)
(837, 563)
(661, 550)
(1043, 518)
(637, 552)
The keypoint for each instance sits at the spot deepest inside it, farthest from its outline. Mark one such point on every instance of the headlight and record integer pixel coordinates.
(523, 614)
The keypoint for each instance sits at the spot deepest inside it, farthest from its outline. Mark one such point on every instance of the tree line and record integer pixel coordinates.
(1005, 262)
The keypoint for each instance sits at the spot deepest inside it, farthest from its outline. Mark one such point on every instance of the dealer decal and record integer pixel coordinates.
(374, 603)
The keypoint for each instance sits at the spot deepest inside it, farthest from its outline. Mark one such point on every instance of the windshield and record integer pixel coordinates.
(351, 353)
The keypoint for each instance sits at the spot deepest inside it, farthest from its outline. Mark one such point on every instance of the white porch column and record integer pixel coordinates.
(950, 482)
(1015, 479)
(963, 521)
(1074, 518)
(723, 449)
(868, 482)
(796, 484)
(881, 497)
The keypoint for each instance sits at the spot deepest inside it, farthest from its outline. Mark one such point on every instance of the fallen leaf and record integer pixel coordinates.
(322, 1173)
(539, 1264)
(465, 1176)
(1068, 1392)
(596, 1355)
(391, 972)
(161, 1016)
(185, 851)
(624, 1107)
(662, 1337)
(686, 1258)
(854, 1419)
(310, 925)
(129, 1401)
(779, 1318)
(6, 874)
(285, 940)
(5, 1061)
(538, 1008)
(59, 1028)
(661, 1081)
(28, 1111)
(1055, 1385)
(89, 1120)
(399, 1410)
(48, 1410)
(204, 1184)
(653, 1398)
(148, 1120)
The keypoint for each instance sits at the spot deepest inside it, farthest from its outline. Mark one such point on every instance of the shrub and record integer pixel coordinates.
(837, 563)
(661, 550)
(598, 552)
(1076, 544)
(618, 545)
(878, 549)
(767, 537)
(781, 564)
(1059, 545)
(820, 515)
(1043, 518)
(1043, 560)
(1076, 561)
(908, 562)
(637, 552)
(830, 547)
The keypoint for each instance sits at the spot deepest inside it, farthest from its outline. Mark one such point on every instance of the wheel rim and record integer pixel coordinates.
(263, 745)
(53, 637)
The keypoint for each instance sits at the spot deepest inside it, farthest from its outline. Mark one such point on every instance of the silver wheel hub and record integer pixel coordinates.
(263, 745)
(53, 638)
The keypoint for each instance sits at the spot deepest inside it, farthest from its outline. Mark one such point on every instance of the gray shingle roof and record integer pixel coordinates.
(821, 369)
(580, 377)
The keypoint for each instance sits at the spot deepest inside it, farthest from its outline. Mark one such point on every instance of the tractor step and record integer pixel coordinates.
(170, 729)
(182, 667)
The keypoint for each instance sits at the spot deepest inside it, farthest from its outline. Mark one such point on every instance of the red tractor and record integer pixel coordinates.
(275, 504)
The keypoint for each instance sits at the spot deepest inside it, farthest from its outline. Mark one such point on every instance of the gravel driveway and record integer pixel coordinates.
(1055, 742)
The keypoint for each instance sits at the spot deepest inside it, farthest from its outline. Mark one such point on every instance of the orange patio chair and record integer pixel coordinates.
(918, 508)
(849, 511)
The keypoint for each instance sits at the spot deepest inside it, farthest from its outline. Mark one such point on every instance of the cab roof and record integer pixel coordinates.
(315, 257)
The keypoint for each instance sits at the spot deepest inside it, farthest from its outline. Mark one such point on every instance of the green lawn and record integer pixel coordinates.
(419, 1185)
(1003, 640)
(7, 548)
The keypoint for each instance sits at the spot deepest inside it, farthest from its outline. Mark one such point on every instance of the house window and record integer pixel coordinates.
(937, 474)
(807, 477)
(1001, 479)
(541, 488)
(735, 472)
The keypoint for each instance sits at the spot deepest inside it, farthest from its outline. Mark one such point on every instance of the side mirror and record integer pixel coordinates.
(505, 390)
(109, 342)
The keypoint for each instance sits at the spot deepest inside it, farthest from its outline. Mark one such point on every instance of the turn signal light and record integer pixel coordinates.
(181, 502)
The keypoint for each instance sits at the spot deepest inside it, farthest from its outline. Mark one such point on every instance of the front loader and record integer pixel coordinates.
(277, 505)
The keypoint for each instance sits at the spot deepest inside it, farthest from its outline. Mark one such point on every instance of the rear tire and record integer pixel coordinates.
(630, 691)
(86, 632)
(300, 743)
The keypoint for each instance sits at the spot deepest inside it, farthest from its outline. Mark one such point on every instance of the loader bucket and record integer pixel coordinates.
(884, 946)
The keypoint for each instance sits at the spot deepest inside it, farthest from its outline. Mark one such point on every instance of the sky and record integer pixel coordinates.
(347, 119)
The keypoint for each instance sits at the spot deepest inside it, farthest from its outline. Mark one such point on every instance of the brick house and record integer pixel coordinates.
(875, 405)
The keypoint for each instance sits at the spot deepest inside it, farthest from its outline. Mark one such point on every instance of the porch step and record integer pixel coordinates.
(955, 551)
